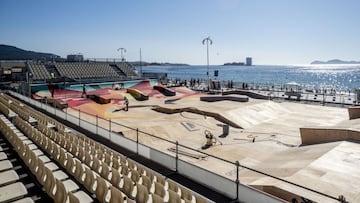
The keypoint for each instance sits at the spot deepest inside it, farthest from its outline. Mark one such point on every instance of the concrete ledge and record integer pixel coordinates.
(318, 135)
(247, 93)
(197, 111)
(223, 98)
(98, 99)
(354, 112)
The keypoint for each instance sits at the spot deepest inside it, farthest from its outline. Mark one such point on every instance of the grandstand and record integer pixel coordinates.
(86, 70)
(40, 71)
(71, 167)
(125, 68)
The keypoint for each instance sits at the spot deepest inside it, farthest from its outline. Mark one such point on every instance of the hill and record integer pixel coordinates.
(13, 53)
(335, 61)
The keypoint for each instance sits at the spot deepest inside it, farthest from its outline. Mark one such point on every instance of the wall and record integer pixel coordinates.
(318, 135)
(354, 112)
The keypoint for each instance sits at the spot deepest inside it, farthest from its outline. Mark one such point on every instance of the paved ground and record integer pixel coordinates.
(274, 127)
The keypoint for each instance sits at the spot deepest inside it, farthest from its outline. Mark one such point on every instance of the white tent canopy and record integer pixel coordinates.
(293, 83)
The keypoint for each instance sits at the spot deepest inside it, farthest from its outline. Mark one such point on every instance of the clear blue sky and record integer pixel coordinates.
(270, 31)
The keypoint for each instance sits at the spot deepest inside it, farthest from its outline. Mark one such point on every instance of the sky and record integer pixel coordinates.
(272, 32)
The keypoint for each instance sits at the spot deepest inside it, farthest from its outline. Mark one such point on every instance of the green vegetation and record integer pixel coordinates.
(13, 53)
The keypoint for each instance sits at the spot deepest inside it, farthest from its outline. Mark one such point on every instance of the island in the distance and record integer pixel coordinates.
(143, 63)
(235, 64)
(335, 61)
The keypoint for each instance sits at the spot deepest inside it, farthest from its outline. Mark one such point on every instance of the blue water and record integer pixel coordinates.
(341, 77)
(90, 86)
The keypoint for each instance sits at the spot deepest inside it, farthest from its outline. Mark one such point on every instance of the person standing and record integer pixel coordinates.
(52, 91)
(84, 91)
(126, 104)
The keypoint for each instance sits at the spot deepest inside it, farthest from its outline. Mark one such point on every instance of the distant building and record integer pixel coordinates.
(75, 58)
(248, 61)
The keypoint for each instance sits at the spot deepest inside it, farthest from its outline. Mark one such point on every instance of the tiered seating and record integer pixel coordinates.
(126, 68)
(4, 109)
(39, 71)
(27, 113)
(86, 70)
(10, 186)
(56, 181)
(101, 171)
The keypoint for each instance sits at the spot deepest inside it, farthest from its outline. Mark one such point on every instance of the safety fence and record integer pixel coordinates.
(310, 93)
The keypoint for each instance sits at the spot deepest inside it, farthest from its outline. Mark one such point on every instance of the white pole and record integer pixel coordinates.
(207, 40)
(140, 64)
(207, 53)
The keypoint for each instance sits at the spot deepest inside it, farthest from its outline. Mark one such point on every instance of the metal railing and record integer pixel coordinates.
(112, 124)
(311, 93)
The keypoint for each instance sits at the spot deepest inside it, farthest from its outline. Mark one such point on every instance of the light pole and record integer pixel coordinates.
(140, 65)
(207, 41)
(122, 50)
(28, 78)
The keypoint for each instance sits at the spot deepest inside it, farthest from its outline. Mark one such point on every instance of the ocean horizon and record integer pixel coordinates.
(342, 77)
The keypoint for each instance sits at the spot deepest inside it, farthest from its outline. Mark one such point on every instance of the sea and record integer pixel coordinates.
(340, 77)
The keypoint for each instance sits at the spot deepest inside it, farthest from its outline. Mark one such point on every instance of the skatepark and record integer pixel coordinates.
(272, 137)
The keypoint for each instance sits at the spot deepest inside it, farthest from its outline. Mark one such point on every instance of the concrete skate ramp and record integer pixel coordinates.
(331, 168)
(248, 93)
(137, 94)
(143, 86)
(336, 172)
(164, 90)
(256, 114)
(197, 111)
(318, 135)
